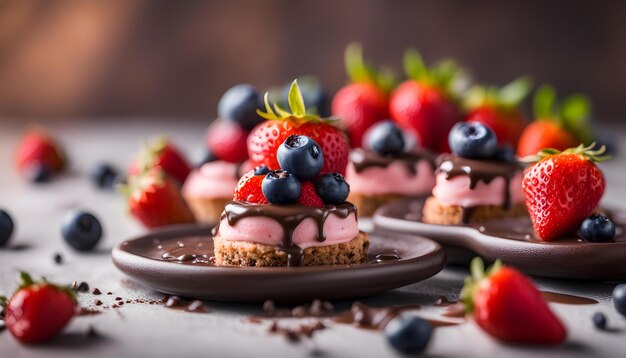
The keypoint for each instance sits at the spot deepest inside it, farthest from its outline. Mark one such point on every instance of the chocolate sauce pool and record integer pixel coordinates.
(288, 217)
(362, 160)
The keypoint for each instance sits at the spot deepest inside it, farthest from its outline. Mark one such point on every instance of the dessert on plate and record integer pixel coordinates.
(296, 214)
(477, 182)
(385, 170)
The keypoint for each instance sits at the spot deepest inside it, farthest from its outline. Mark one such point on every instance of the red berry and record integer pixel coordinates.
(358, 106)
(506, 305)
(38, 311)
(227, 140)
(161, 153)
(544, 134)
(309, 197)
(38, 147)
(507, 125)
(563, 189)
(249, 189)
(154, 198)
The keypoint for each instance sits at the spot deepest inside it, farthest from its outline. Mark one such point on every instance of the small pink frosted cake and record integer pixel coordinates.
(470, 190)
(209, 188)
(251, 234)
(375, 179)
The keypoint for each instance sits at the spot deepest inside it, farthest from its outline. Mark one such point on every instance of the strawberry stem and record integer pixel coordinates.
(472, 282)
(588, 152)
(361, 72)
(296, 104)
(572, 113)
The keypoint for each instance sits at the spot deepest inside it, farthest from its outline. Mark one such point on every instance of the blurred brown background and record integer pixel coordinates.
(95, 59)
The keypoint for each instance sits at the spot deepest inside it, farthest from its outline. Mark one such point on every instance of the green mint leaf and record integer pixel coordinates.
(414, 66)
(512, 94)
(296, 102)
(575, 113)
(543, 103)
(356, 68)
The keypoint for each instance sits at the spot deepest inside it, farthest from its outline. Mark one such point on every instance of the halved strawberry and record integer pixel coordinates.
(266, 137)
(39, 147)
(161, 153)
(426, 103)
(563, 188)
(499, 109)
(154, 198)
(365, 100)
(557, 125)
(506, 305)
(249, 189)
(38, 311)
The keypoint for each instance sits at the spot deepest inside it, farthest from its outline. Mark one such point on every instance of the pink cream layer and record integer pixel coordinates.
(214, 180)
(393, 179)
(264, 230)
(456, 191)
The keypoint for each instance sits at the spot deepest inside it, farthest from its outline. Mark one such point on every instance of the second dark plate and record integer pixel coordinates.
(513, 241)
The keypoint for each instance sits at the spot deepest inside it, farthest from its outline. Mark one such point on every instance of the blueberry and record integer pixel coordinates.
(506, 153)
(385, 138)
(619, 298)
(599, 320)
(473, 140)
(281, 187)
(81, 230)
(6, 227)
(316, 99)
(103, 175)
(239, 104)
(408, 334)
(597, 228)
(38, 173)
(207, 157)
(261, 170)
(332, 188)
(300, 156)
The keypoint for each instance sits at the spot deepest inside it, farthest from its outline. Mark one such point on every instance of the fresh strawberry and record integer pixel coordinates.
(38, 147)
(249, 189)
(557, 125)
(163, 154)
(309, 197)
(38, 311)
(227, 140)
(506, 305)
(266, 137)
(365, 100)
(499, 109)
(154, 198)
(425, 104)
(562, 189)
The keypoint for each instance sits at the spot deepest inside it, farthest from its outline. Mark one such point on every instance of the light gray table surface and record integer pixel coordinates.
(141, 330)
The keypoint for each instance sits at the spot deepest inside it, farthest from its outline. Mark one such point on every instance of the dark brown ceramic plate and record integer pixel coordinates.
(513, 241)
(188, 271)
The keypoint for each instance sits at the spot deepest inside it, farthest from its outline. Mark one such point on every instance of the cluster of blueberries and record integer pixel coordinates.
(301, 159)
(81, 230)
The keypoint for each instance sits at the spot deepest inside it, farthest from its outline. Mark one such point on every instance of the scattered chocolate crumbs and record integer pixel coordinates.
(118, 298)
(295, 334)
(92, 333)
(97, 302)
(109, 293)
(82, 311)
(120, 303)
(114, 306)
(96, 291)
(82, 287)
(129, 301)
(173, 301)
(58, 259)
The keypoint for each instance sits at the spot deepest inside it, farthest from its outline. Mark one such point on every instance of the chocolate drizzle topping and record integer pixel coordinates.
(478, 170)
(364, 159)
(289, 217)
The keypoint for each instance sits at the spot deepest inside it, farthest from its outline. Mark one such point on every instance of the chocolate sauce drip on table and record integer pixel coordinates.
(478, 170)
(364, 159)
(289, 217)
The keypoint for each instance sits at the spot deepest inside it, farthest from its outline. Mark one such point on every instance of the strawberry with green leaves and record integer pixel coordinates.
(154, 198)
(365, 100)
(39, 155)
(161, 153)
(557, 125)
(499, 109)
(426, 103)
(265, 138)
(38, 310)
(506, 305)
(563, 188)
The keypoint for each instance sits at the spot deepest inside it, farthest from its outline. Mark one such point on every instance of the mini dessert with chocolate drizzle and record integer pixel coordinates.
(295, 216)
(477, 182)
(386, 170)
